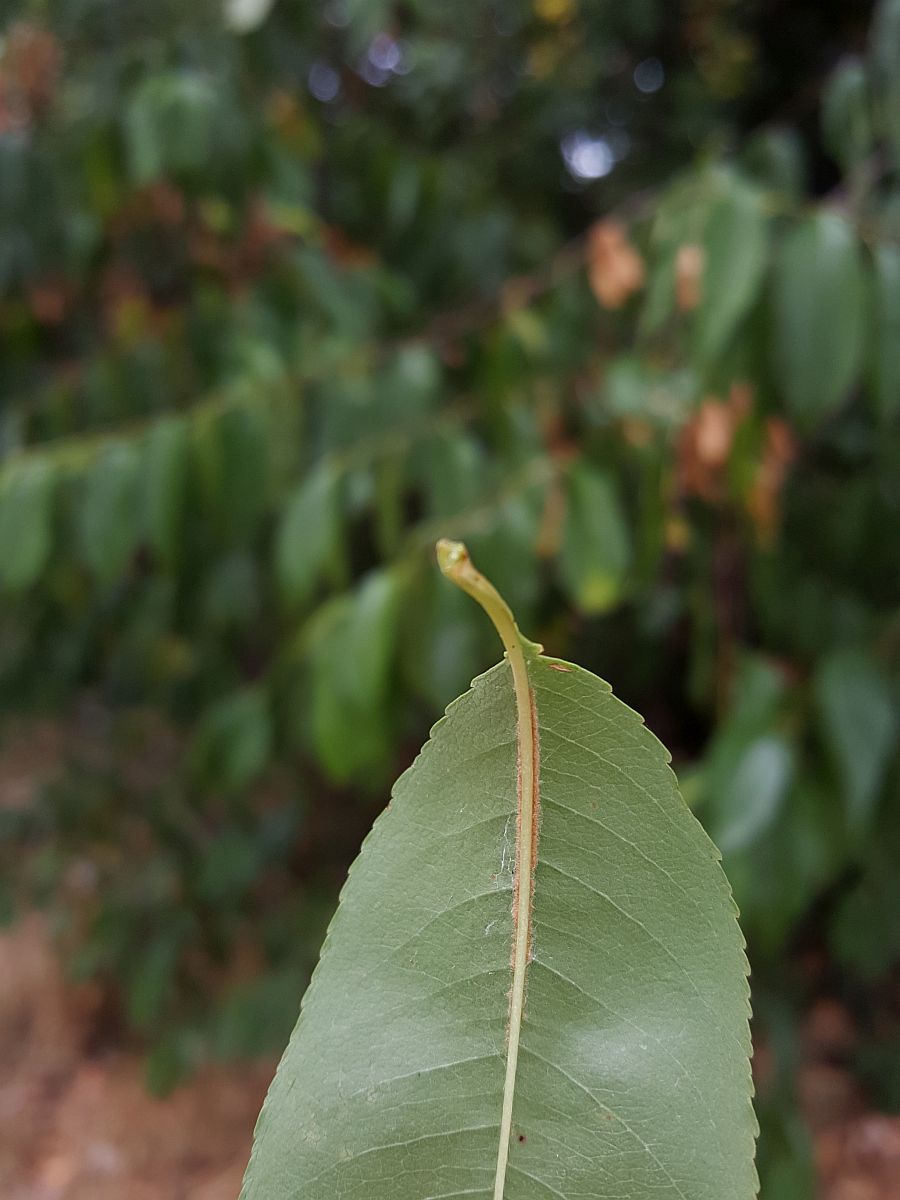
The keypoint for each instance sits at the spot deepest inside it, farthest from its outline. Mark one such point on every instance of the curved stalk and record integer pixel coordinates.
(454, 561)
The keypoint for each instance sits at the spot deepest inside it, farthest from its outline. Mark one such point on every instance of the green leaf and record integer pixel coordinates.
(818, 308)
(885, 58)
(846, 122)
(595, 551)
(394, 1076)
(231, 591)
(776, 158)
(858, 721)
(171, 1060)
(244, 434)
(442, 642)
(150, 982)
(632, 388)
(26, 522)
(369, 635)
(388, 503)
(352, 652)
(865, 933)
(231, 863)
(232, 451)
(168, 124)
(735, 242)
(628, 1074)
(166, 459)
(674, 224)
(510, 549)
(885, 351)
(777, 878)
(109, 516)
(758, 693)
(255, 1015)
(233, 743)
(307, 535)
(750, 801)
(455, 473)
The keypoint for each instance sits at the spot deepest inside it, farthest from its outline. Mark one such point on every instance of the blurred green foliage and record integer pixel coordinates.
(287, 291)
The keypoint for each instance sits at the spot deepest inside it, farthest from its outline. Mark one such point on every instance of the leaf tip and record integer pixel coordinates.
(451, 556)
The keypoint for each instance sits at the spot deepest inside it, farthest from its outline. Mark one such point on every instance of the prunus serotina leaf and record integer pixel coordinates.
(535, 985)
(818, 305)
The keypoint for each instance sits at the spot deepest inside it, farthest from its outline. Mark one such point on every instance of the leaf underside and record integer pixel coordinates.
(633, 1077)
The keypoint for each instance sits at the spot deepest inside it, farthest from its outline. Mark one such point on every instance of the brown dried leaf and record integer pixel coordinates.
(704, 447)
(615, 269)
(706, 441)
(764, 498)
(689, 265)
(49, 300)
(29, 75)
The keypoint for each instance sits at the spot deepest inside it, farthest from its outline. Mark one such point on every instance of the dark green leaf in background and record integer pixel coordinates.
(776, 158)
(454, 473)
(166, 462)
(676, 223)
(151, 982)
(231, 593)
(858, 720)
(884, 50)
(391, 481)
(749, 801)
(885, 369)
(846, 115)
(664, 398)
(109, 519)
(307, 535)
(352, 651)
(595, 552)
(244, 441)
(777, 877)
(233, 742)
(865, 932)
(442, 643)
(735, 243)
(168, 124)
(231, 862)
(232, 454)
(26, 522)
(818, 314)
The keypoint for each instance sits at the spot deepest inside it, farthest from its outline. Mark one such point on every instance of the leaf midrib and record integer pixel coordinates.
(527, 796)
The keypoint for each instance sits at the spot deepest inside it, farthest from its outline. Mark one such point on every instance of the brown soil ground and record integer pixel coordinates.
(78, 1126)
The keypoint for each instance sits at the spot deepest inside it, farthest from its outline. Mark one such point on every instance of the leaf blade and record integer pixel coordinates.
(818, 304)
(596, 553)
(27, 495)
(736, 252)
(400, 1095)
(109, 516)
(856, 711)
(306, 536)
(885, 348)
